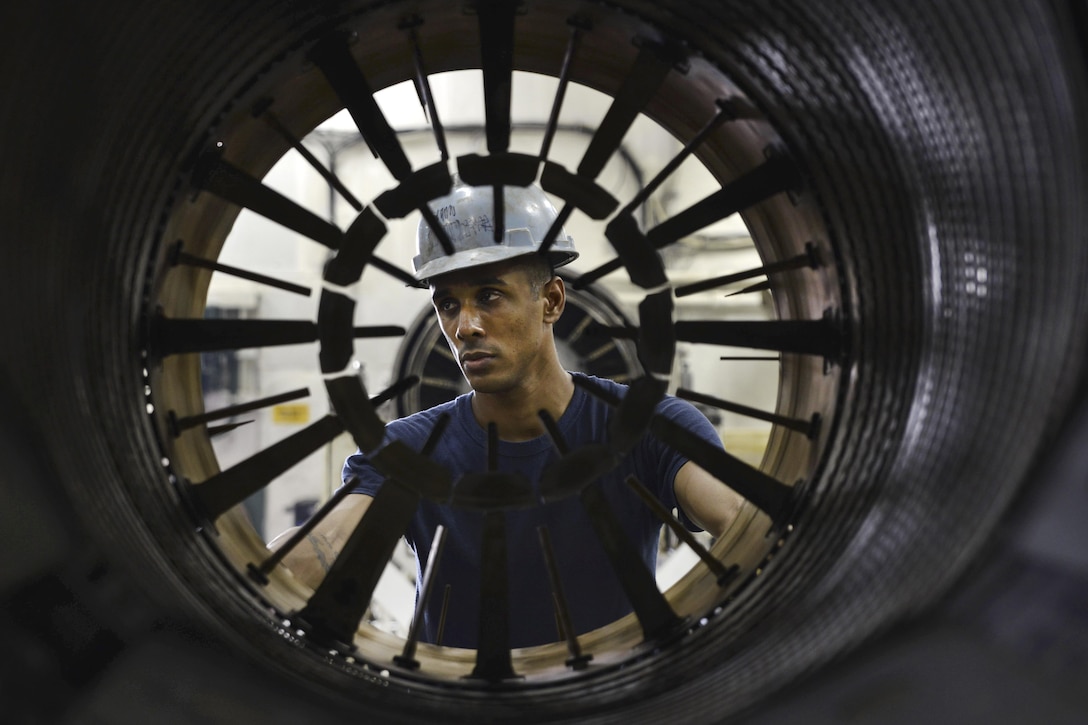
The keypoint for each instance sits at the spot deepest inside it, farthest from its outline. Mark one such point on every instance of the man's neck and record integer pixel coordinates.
(517, 412)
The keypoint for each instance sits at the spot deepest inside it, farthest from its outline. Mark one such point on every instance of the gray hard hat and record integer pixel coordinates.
(466, 213)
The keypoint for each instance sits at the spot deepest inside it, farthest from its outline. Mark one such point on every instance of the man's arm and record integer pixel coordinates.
(311, 559)
(706, 500)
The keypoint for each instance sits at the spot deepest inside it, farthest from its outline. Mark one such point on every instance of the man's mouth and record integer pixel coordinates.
(475, 360)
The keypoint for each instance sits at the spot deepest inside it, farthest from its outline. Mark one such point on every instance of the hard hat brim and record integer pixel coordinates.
(485, 255)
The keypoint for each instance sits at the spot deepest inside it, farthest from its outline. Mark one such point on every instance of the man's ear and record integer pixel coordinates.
(555, 299)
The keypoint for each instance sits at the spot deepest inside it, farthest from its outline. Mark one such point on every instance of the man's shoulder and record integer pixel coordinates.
(422, 422)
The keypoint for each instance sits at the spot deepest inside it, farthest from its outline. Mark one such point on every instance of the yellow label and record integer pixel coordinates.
(291, 413)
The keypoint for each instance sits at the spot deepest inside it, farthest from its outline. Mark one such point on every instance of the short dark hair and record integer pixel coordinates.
(538, 270)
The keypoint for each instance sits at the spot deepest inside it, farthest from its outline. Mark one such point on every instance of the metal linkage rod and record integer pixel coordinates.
(577, 27)
(808, 259)
(262, 110)
(446, 593)
(603, 270)
(498, 205)
(752, 288)
(596, 390)
(177, 256)
(423, 85)
(577, 659)
(553, 431)
(260, 573)
(407, 657)
(725, 113)
(398, 389)
(439, 232)
(723, 574)
(396, 272)
(556, 227)
(177, 425)
(218, 430)
(807, 427)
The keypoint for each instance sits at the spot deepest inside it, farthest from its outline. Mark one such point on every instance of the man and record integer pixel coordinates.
(497, 304)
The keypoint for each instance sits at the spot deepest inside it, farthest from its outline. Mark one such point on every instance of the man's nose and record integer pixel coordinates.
(468, 323)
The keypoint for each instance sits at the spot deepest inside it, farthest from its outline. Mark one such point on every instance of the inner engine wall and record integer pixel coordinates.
(964, 138)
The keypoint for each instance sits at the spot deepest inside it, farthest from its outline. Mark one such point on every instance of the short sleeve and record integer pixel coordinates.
(667, 461)
(361, 475)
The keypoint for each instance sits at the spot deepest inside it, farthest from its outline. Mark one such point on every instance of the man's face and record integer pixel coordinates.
(496, 324)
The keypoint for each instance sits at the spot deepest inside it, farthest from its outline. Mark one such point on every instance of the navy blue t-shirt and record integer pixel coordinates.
(589, 583)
